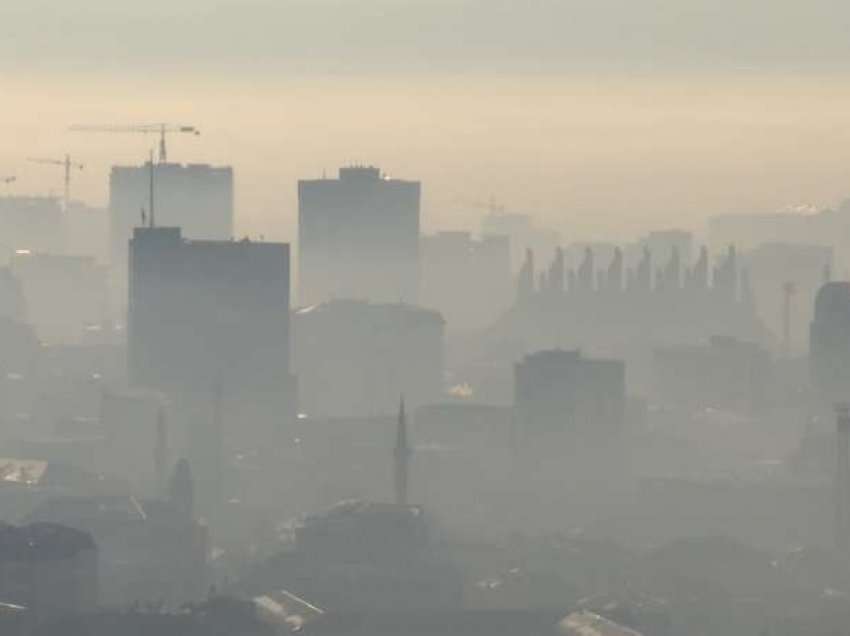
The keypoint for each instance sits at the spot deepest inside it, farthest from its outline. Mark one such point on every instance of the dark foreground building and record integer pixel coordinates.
(196, 197)
(208, 325)
(207, 312)
(829, 342)
(51, 570)
(363, 557)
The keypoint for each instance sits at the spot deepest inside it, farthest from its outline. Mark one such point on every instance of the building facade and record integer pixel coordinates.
(197, 198)
(208, 325)
(558, 391)
(468, 280)
(356, 358)
(829, 342)
(358, 237)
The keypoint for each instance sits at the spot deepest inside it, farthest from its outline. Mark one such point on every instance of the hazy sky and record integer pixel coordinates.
(603, 116)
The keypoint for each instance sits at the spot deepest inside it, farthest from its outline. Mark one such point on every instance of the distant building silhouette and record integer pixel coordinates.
(148, 550)
(468, 280)
(355, 358)
(181, 489)
(522, 233)
(624, 307)
(213, 313)
(65, 295)
(559, 391)
(829, 342)
(358, 237)
(50, 569)
(203, 312)
(772, 267)
(365, 557)
(197, 198)
(724, 374)
(32, 223)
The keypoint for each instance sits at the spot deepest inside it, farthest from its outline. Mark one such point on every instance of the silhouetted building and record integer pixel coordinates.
(468, 425)
(64, 294)
(149, 551)
(725, 374)
(522, 234)
(208, 324)
(829, 342)
(559, 391)
(665, 243)
(355, 358)
(467, 280)
(363, 556)
(623, 311)
(197, 198)
(50, 569)
(32, 223)
(202, 312)
(358, 237)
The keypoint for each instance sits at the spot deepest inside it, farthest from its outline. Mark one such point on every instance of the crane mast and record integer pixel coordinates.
(68, 165)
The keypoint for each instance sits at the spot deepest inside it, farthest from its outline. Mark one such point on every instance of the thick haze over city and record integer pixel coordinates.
(425, 318)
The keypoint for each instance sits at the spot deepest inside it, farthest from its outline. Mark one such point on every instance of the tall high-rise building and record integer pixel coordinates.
(207, 312)
(208, 324)
(358, 237)
(197, 198)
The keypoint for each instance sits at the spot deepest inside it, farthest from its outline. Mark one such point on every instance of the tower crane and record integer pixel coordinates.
(147, 129)
(68, 165)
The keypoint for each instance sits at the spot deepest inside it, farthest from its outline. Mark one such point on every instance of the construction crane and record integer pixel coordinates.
(147, 129)
(68, 165)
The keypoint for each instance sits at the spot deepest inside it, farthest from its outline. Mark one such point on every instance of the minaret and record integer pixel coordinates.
(842, 479)
(401, 455)
(160, 451)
